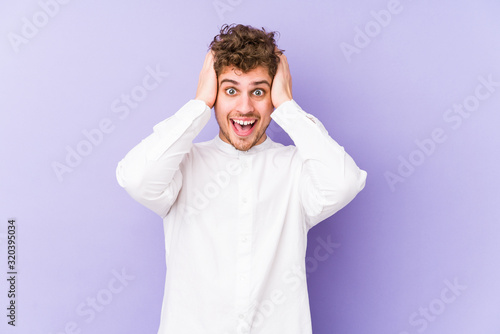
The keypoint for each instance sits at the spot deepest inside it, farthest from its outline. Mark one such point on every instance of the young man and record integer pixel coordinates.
(236, 210)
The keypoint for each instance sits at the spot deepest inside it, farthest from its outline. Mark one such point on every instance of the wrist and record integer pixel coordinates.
(280, 101)
(206, 101)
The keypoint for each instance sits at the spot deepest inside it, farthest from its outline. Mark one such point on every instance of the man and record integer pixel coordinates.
(236, 210)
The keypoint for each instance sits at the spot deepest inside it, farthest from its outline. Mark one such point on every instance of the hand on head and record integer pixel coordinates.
(207, 82)
(281, 91)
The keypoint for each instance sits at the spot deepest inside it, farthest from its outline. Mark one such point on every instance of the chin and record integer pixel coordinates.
(249, 138)
(243, 144)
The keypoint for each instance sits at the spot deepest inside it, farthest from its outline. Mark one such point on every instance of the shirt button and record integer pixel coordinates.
(241, 316)
(244, 199)
(244, 239)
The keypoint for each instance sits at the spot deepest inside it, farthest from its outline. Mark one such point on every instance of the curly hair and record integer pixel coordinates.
(245, 48)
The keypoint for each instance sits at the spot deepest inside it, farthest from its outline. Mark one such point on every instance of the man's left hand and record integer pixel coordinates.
(281, 90)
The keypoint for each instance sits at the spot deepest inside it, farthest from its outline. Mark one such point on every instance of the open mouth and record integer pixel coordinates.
(243, 127)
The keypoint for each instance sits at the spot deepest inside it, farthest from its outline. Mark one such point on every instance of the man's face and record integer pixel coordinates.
(243, 107)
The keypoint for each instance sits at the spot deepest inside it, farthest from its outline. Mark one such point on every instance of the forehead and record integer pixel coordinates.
(257, 74)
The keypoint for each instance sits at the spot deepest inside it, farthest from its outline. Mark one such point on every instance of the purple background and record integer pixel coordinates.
(397, 248)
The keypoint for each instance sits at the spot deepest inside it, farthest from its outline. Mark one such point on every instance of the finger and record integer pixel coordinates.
(209, 60)
(284, 60)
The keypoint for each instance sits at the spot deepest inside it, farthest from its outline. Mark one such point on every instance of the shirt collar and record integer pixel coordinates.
(230, 149)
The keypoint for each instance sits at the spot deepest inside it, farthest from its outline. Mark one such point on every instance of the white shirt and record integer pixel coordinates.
(236, 222)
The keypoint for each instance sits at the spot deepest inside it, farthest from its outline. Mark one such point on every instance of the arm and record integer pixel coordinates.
(330, 178)
(150, 171)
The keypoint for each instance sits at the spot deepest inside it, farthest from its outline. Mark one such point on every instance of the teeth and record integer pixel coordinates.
(243, 122)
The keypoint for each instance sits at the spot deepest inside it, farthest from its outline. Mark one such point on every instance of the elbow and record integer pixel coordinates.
(353, 183)
(131, 182)
(344, 191)
(156, 195)
(119, 175)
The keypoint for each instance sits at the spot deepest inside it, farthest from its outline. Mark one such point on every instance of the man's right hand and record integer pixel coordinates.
(207, 83)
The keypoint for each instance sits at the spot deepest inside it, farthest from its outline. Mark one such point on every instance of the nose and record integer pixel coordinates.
(245, 104)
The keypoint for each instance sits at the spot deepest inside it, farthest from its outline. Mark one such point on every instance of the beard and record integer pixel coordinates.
(241, 145)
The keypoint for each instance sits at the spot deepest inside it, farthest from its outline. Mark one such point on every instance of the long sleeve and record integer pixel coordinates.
(330, 178)
(150, 171)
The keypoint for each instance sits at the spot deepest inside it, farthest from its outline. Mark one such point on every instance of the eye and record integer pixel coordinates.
(258, 92)
(230, 91)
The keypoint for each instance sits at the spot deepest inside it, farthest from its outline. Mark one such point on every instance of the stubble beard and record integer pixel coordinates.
(246, 145)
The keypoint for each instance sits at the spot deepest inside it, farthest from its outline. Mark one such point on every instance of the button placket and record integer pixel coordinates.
(245, 224)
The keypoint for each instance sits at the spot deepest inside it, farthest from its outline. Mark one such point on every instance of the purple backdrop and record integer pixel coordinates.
(411, 89)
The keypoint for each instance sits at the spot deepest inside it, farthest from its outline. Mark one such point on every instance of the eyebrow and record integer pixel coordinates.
(236, 83)
(256, 83)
